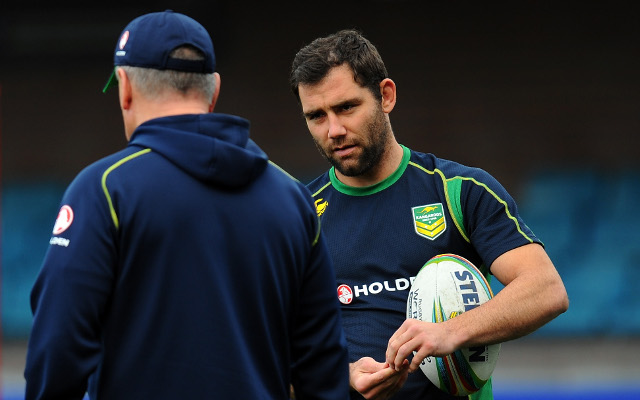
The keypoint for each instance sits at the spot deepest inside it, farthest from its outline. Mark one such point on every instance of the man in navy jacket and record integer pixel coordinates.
(185, 265)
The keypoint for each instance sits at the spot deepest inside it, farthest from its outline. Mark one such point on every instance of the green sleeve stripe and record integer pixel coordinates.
(501, 201)
(114, 216)
(319, 220)
(453, 205)
(283, 171)
(321, 189)
(452, 189)
(317, 237)
(315, 240)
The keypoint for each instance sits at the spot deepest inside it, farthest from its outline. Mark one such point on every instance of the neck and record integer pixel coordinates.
(146, 110)
(387, 165)
(153, 109)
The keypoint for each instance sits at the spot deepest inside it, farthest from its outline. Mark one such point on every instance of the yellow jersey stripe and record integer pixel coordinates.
(106, 173)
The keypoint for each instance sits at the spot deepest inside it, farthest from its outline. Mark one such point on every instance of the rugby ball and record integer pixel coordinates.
(446, 286)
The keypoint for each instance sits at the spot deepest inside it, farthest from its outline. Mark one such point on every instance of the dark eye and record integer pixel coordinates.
(314, 116)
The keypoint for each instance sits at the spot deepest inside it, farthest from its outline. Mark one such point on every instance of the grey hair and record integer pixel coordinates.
(155, 82)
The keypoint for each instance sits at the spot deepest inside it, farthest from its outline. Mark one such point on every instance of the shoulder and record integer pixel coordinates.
(445, 167)
(319, 184)
(98, 171)
(282, 178)
(287, 190)
(450, 170)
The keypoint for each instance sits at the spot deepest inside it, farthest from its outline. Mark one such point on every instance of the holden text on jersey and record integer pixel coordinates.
(346, 293)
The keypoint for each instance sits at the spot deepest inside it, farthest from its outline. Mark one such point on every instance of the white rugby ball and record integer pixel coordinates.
(446, 286)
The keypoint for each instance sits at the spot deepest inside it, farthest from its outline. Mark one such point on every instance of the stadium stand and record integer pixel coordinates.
(588, 220)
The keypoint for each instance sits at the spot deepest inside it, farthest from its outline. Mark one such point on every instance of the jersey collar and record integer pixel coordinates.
(375, 188)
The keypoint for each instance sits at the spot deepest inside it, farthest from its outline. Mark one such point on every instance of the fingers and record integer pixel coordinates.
(395, 342)
(376, 381)
(402, 344)
(413, 336)
(383, 384)
(417, 360)
(367, 373)
(405, 350)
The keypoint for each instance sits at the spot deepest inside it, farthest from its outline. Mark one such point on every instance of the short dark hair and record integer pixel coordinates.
(314, 61)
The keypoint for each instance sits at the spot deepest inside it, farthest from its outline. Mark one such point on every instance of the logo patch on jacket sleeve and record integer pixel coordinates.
(429, 220)
(64, 220)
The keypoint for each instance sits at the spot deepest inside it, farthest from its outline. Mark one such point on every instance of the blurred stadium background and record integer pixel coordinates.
(544, 95)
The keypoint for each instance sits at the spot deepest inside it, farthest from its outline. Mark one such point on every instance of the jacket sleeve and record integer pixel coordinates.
(70, 296)
(321, 368)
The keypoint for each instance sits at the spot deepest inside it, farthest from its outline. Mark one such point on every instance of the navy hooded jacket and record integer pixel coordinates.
(186, 266)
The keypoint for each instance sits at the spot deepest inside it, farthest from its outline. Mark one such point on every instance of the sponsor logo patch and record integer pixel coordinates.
(64, 220)
(321, 206)
(345, 294)
(123, 42)
(58, 241)
(429, 220)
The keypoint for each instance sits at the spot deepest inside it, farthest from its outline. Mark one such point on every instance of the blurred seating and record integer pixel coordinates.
(29, 211)
(590, 224)
(588, 220)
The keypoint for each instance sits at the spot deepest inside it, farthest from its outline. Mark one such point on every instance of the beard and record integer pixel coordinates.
(378, 131)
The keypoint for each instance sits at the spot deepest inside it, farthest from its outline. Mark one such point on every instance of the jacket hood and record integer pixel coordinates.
(214, 148)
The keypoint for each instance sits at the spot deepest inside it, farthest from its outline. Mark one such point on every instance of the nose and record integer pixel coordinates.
(336, 127)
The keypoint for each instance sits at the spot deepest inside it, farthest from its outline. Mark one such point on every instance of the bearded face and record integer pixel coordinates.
(369, 144)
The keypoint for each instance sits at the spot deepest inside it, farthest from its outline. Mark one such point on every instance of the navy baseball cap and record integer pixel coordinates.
(149, 39)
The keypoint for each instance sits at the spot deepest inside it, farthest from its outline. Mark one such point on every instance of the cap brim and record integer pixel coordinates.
(113, 81)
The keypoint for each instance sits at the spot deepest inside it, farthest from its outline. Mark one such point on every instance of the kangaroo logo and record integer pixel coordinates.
(429, 221)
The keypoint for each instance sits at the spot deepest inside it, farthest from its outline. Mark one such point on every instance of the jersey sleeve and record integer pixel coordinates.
(70, 296)
(491, 217)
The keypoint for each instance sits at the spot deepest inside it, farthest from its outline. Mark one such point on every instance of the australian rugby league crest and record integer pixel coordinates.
(429, 220)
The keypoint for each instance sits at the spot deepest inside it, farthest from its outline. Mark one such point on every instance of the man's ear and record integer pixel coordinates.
(388, 92)
(216, 92)
(124, 89)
